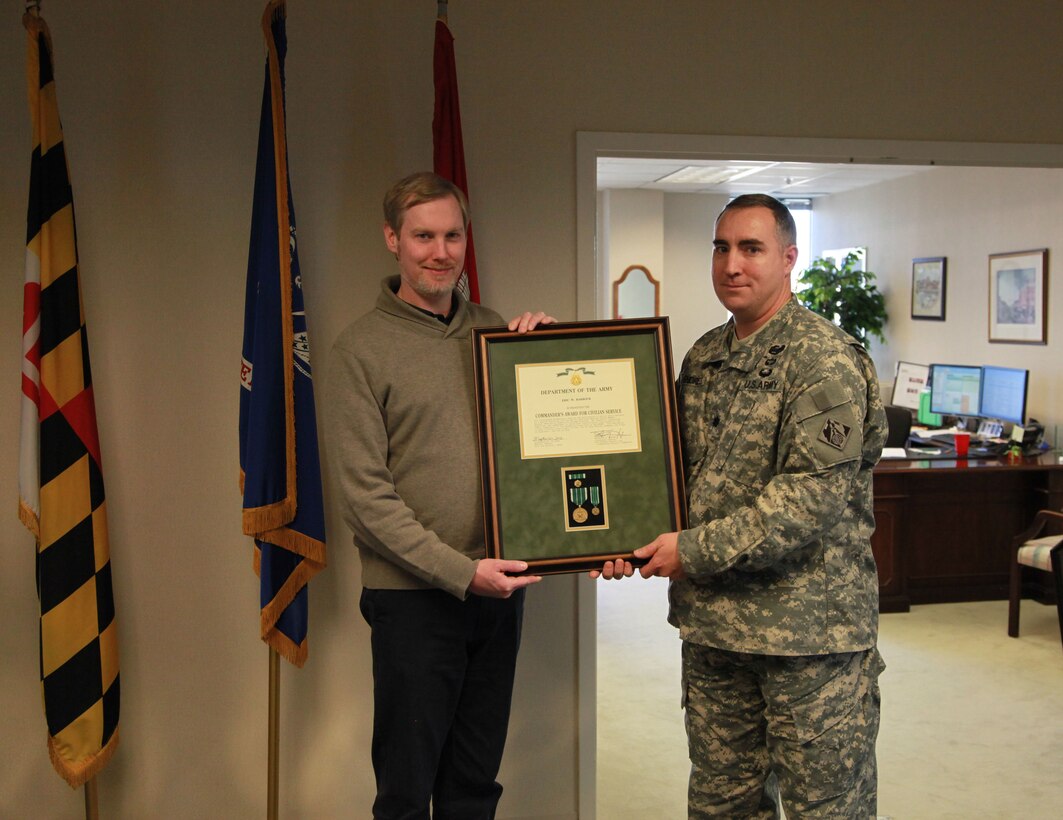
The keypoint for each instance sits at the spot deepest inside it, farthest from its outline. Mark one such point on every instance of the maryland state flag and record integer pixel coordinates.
(280, 473)
(448, 149)
(60, 480)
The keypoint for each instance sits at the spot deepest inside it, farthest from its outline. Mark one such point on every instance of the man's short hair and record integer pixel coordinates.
(784, 220)
(417, 189)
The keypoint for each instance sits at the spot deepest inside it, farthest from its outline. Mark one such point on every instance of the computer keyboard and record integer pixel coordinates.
(941, 444)
(946, 442)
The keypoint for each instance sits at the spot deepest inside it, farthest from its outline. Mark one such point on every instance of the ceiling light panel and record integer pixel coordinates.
(711, 174)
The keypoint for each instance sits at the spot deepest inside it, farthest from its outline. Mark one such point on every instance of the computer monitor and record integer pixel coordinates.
(955, 389)
(1004, 393)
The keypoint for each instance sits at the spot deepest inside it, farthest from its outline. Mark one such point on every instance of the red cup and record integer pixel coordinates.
(963, 443)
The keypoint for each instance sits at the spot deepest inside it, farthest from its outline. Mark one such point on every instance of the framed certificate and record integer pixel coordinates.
(579, 441)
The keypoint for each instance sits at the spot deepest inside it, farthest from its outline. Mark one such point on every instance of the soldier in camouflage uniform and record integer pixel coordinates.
(774, 587)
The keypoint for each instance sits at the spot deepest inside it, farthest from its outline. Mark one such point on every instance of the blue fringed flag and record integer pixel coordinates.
(279, 467)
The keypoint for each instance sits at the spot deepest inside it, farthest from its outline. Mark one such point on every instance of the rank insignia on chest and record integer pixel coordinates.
(835, 433)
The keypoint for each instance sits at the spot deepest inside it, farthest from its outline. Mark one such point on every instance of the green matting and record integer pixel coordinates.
(531, 491)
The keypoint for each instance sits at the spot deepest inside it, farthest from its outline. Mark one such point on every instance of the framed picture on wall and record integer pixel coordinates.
(1018, 297)
(928, 288)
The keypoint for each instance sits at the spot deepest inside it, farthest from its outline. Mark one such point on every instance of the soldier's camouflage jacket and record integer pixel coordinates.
(780, 432)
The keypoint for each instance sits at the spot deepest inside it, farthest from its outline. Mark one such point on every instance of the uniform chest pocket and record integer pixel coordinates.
(748, 443)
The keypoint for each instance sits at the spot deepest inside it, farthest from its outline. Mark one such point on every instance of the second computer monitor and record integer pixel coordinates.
(1004, 393)
(955, 389)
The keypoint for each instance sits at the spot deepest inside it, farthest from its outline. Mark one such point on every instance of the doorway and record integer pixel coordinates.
(592, 294)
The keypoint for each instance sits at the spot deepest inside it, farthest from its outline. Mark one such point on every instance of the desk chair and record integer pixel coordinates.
(1045, 557)
(899, 421)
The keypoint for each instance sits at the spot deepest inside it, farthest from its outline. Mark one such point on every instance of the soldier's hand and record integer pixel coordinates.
(614, 569)
(663, 555)
(529, 321)
(491, 581)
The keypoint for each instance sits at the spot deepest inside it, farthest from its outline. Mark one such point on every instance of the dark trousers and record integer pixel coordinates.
(442, 686)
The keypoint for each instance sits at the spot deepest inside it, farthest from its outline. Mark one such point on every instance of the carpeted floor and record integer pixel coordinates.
(972, 720)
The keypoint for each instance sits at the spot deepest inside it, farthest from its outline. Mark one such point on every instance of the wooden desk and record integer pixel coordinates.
(944, 528)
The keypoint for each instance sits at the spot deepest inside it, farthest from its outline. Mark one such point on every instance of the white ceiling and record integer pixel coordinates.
(733, 177)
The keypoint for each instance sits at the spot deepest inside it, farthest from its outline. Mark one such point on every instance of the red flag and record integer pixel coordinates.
(448, 151)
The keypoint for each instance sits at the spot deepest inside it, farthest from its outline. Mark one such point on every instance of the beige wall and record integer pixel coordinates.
(160, 104)
(633, 235)
(963, 214)
(671, 234)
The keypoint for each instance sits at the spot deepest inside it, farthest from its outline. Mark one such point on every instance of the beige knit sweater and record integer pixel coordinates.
(400, 415)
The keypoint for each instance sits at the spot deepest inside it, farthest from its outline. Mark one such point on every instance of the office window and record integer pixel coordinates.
(801, 210)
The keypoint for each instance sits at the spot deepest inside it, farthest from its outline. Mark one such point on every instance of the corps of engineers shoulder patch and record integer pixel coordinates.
(835, 434)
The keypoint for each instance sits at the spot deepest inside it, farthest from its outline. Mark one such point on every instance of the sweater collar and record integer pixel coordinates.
(389, 302)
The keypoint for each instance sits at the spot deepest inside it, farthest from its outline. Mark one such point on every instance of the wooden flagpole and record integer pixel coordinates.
(273, 777)
(92, 807)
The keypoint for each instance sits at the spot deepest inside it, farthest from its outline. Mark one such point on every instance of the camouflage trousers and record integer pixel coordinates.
(802, 728)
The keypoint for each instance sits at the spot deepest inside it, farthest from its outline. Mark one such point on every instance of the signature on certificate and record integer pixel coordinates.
(611, 437)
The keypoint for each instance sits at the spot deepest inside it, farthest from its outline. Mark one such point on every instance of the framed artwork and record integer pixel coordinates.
(928, 288)
(1018, 297)
(579, 441)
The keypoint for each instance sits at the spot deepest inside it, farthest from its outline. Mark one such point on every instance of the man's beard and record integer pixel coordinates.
(430, 290)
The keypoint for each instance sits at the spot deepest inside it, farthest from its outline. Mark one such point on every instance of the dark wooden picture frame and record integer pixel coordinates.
(573, 511)
(929, 280)
(1018, 297)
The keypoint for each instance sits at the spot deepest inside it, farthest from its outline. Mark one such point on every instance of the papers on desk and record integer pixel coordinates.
(1045, 541)
(928, 432)
(894, 452)
(926, 450)
(932, 437)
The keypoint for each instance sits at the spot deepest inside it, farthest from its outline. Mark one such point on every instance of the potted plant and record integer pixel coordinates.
(846, 295)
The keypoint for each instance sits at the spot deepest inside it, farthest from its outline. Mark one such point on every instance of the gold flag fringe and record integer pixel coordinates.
(286, 648)
(297, 542)
(257, 520)
(284, 224)
(29, 519)
(81, 773)
(269, 518)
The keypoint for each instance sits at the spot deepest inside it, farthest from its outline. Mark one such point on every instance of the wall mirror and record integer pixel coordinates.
(636, 294)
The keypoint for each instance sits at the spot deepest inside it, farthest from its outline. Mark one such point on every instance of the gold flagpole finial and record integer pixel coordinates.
(441, 10)
(33, 6)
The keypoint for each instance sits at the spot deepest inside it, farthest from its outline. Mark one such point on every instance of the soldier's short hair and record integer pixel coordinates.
(784, 220)
(417, 189)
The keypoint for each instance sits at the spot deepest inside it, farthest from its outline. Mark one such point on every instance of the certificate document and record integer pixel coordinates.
(577, 408)
(579, 441)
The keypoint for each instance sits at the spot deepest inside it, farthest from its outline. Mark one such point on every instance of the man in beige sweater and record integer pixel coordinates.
(402, 443)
